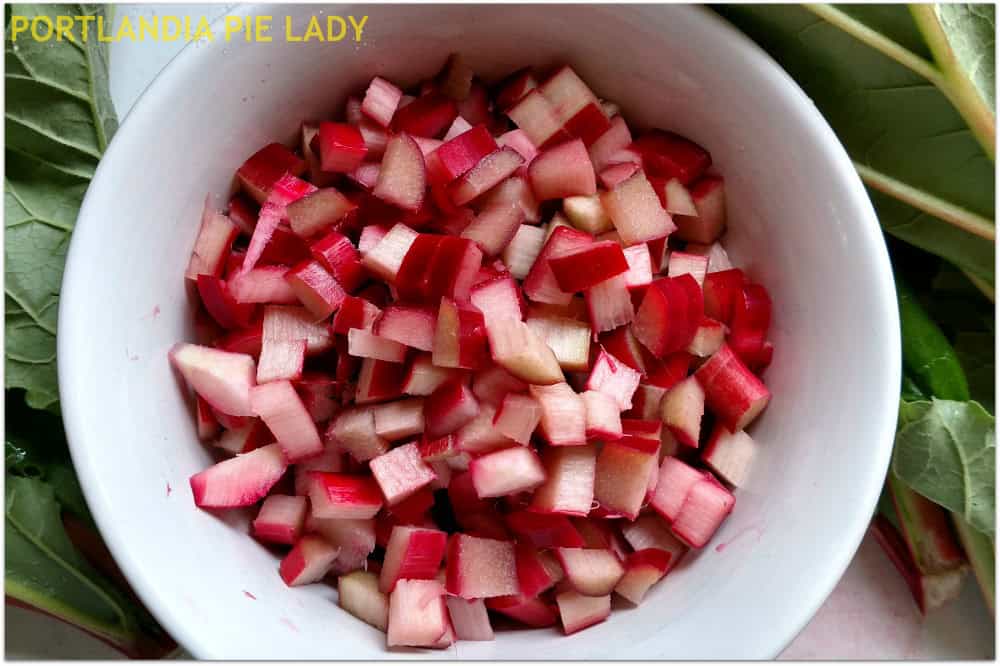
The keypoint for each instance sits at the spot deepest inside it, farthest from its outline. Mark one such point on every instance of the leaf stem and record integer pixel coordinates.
(879, 42)
(981, 284)
(956, 86)
(930, 204)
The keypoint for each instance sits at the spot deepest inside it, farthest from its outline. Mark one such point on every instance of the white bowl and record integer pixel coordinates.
(800, 222)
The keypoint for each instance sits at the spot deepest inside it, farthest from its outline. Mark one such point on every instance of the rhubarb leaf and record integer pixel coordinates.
(58, 121)
(946, 451)
(912, 133)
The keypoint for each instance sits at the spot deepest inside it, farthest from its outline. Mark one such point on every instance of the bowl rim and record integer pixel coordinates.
(868, 231)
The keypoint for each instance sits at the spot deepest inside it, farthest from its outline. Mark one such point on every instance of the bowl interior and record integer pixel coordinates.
(800, 223)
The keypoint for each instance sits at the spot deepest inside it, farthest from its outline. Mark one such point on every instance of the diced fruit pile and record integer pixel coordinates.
(476, 350)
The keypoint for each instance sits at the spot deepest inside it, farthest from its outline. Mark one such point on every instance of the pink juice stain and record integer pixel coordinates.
(249, 595)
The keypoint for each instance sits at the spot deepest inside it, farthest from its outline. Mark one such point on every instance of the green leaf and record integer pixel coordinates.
(946, 451)
(976, 352)
(58, 121)
(931, 181)
(971, 33)
(44, 569)
(927, 356)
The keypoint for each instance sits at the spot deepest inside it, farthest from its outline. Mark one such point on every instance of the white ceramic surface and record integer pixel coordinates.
(800, 221)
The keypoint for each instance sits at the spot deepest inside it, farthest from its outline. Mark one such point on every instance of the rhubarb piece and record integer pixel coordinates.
(448, 408)
(729, 455)
(669, 315)
(281, 408)
(487, 173)
(208, 425)
(498, 298)
(423, 377)
(470, 619)
(453, 269)
(355, 538)
(318, 211)
(459, 340)
(491, 385)
(603, 416)
(613, 378)
(219, 302)
(517, 417)
(506, 472)
(479, 436)
(562, 171)
(676, 478)
(536, 116)
(514, 87)
(358, 594)
(733, 393)
(355, 313)
(643, 569)
(400, 419)
(622, 475)
(296, 323)
(338, 255)
(418, 616)
(585, 267)
(239, 481)
(593, 572)
(413, 553)
(616, 173)
(579, 612)
(640, 266)
(708, 338)
(569, 339)
(266, 284)
(363, 344)
(670, 155)
(280, 359)
(340, 146)
(522, 353)
(402, 178)
(564, 416)
(514, 190)
(676, 198)
(479, 568)
(544, 530)
(381, 100)
(614, 139)
(456, 156)
(331, 460)
(458, 127)
(245, 438)
(609, 304)
(316, 288)
(384, 260)
(569, 484)
(682, 262)
(925, 527)
(709, 199)
(215, 238)
(400, 473)
(721, 290)
(334, 495)
(408, 325)
(428, 115)
(308, 562)
(494, 227)
(704, 508)
(622, 346)
(533, 572)
(541, 285)
(223, 379)
(587, 214)
(649, 531)
(265, 167)
(635, 211)
(681, 410)
(354, 431)
(533, 612)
